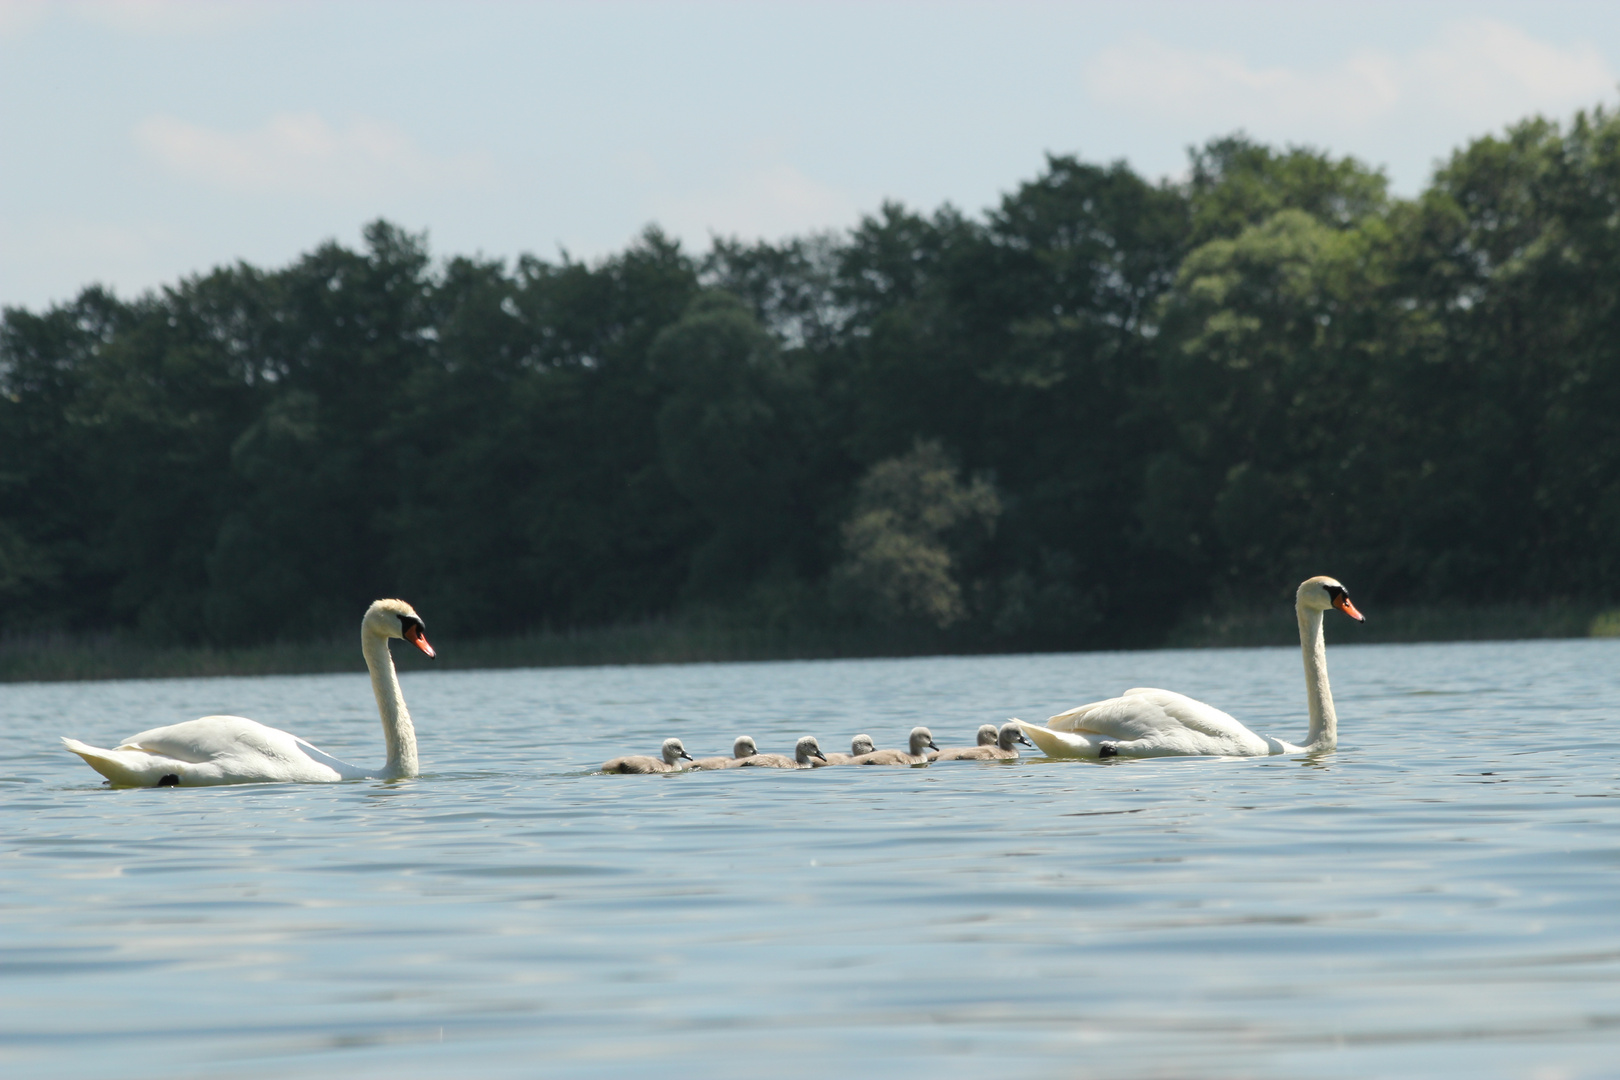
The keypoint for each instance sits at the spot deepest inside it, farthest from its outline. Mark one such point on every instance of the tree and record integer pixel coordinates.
(731, 434)
(910, 512)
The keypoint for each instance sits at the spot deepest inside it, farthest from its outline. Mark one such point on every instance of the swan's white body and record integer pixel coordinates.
(1145, 722)
(236, 750)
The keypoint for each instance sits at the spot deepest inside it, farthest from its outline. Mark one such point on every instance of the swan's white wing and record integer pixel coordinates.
(1148, 721)
(1142, 712)
(201, 740)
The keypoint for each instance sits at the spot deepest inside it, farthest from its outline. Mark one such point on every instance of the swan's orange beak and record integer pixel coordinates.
(414, 635)
(1342, 602)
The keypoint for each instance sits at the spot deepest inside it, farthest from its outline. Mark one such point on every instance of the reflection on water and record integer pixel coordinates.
(1437, 897)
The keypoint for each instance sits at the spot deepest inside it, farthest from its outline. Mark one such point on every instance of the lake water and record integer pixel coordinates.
(1441, 896)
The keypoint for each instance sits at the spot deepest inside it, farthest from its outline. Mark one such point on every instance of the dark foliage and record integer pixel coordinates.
(1151, 399)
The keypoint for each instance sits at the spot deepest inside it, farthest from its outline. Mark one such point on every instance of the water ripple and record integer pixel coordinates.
(1435, 898)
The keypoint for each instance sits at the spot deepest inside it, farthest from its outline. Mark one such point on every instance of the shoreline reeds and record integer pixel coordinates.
(60, 657)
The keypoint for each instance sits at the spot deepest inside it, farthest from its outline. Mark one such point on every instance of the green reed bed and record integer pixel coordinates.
(58, 657)
(61, 657)
(1404, 623)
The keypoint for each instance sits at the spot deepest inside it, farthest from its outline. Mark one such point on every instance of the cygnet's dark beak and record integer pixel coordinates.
(685, 755)
(819, 754)
(1020, 738)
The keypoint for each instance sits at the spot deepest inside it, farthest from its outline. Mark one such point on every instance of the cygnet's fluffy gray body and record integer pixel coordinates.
(921, 740)
(741, 751)
(1000, 748)
(860, 744)
(805, 752)
(986, 737)
(671, 761)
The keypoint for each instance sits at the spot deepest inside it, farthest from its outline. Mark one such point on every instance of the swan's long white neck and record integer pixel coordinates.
(396, 720)
(1324, 733)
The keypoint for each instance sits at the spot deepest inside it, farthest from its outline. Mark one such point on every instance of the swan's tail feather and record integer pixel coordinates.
(1059, 744)
(125, 768)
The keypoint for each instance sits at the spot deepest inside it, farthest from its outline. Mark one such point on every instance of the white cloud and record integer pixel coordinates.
(1147, 75)
(766, 202)
(1483, 72)
(302, 154)
(172, 17)
(139, 18)
(47, 256)
(17, 17)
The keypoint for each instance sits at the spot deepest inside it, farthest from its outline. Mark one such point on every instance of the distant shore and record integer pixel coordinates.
(62, 657)
(1413, 623)
(65, 657)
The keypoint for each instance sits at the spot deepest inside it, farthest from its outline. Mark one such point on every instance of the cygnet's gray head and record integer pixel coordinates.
(1012, 733)
(807, 748)
(743, 747)
(861, 744)
(674, 751)
(921, 739)
(987, 734)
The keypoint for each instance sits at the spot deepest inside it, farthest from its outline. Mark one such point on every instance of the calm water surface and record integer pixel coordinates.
(1439, 897)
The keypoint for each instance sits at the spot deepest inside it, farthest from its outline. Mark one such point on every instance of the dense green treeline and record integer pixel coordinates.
(1106, 406)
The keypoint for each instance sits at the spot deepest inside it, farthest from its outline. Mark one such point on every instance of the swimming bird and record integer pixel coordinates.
(741, 749)
(986, 737)
(673, 752)
(1000, 750)
(1155, 723)
(921, 739)
(860, 744)
(805, 751)
(235, 750)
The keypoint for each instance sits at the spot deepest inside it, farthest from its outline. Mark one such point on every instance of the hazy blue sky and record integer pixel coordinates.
(140, 142)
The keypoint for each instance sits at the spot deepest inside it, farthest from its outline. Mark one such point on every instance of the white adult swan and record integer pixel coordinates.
(234, 750)
(1157, 723)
